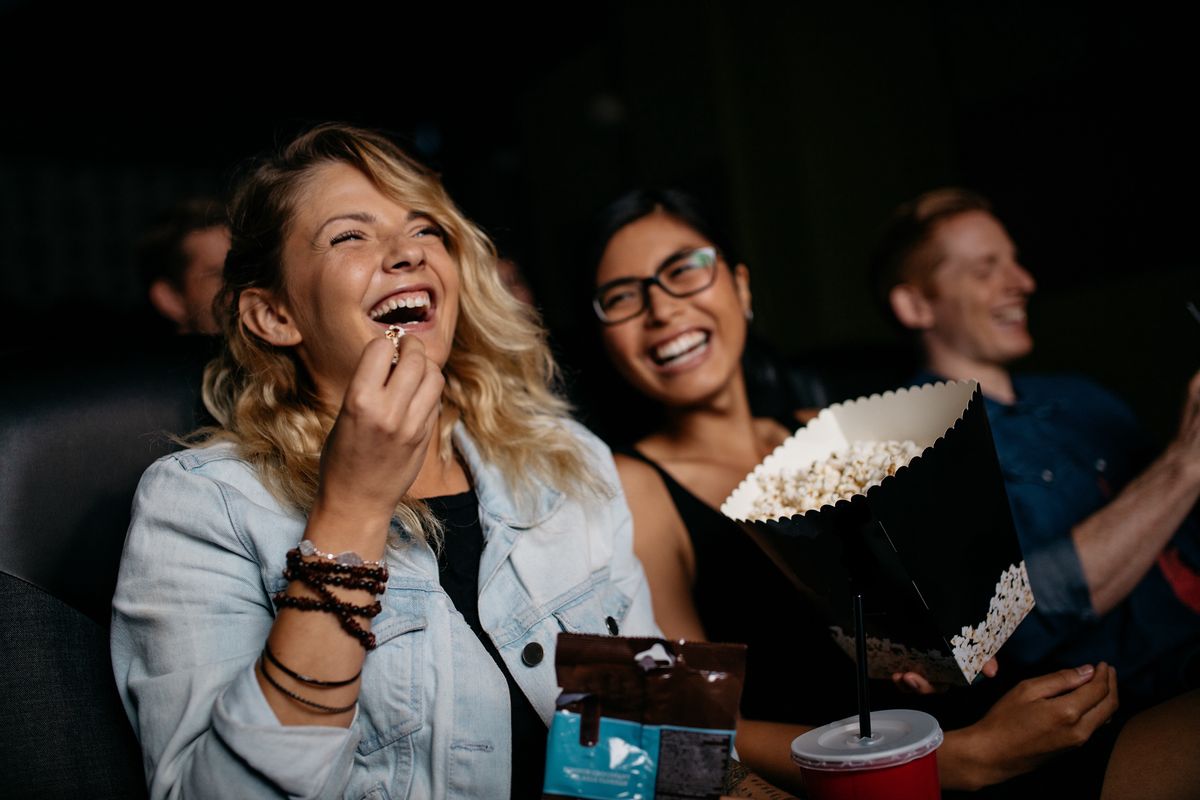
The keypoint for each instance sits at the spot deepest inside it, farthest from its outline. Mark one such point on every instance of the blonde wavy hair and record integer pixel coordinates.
(500, 376)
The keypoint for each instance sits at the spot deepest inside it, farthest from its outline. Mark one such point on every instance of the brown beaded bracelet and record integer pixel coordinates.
(304, 678)
(311, 578)
(328, 603)
(296, 560)
(323, 570)
(368, 610)
(324, 709)
(344, 615)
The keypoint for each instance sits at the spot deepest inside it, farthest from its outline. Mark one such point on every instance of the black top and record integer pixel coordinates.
(741, 596)
(458, 570)
(794, 670)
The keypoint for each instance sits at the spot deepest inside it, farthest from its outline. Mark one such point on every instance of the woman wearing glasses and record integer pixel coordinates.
(674, 307)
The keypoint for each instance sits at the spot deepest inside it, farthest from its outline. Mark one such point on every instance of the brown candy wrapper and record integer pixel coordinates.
(643, 718)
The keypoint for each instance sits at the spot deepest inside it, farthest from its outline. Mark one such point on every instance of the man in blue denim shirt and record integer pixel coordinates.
(1111, 550)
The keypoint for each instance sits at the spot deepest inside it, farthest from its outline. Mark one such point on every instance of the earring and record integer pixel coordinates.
(749, 315)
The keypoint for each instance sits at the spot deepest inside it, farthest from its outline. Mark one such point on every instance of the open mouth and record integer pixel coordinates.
(680, 348)
(1010, 315)
(403, 308)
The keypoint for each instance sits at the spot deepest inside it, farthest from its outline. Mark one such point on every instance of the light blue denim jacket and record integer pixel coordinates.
(206, 550)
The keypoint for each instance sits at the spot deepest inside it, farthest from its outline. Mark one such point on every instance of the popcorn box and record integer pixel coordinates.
(932, 548)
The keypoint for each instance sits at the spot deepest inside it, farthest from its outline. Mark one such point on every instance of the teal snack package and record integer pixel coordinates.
(642, 718)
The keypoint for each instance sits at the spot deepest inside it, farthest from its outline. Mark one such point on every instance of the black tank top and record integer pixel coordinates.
(794, 671)
(458, 569)
(742, 597)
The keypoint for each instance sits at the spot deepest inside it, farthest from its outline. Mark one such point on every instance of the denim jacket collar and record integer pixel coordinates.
(491, 488)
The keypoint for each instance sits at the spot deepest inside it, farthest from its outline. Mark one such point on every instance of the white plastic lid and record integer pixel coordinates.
(897, 737)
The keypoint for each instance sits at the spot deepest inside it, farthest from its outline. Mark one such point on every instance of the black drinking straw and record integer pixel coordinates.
(860, 652)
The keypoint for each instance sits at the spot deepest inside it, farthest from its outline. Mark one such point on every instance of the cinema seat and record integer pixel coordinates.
(76, 434)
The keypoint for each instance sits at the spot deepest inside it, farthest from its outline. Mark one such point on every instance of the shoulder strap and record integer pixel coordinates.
(696, 514)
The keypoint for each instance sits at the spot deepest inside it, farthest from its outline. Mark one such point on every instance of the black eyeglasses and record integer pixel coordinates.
(679, 276)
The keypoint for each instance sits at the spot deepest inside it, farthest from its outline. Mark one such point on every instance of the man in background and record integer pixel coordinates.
(1103, 522)
(180, 260)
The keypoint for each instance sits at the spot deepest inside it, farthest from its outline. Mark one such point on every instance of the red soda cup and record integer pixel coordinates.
(897, 762)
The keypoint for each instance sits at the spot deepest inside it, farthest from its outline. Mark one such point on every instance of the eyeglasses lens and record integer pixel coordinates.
(626, 298)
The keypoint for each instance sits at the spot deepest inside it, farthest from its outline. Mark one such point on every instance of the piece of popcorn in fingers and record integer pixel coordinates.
(394, 334)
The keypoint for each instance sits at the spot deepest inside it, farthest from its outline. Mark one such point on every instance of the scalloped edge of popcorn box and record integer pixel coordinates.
(969, 650)
(841, 424)
(1010, 604)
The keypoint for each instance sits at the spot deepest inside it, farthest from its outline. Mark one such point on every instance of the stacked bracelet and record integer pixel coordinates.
(345, 570)
(369, 578)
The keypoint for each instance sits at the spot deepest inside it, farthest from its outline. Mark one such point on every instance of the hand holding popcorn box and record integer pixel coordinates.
(898, 496)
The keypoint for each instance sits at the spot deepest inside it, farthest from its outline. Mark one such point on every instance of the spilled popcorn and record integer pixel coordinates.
(841, 476)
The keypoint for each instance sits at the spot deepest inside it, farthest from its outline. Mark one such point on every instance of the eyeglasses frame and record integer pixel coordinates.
(645, 283)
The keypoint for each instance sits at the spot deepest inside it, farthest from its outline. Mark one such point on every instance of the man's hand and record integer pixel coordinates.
(1036, 719)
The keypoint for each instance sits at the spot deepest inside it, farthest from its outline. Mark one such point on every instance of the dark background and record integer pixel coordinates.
(804, 125)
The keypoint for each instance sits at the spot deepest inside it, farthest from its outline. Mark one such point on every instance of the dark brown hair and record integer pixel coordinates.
(903, 253)
(160, 248)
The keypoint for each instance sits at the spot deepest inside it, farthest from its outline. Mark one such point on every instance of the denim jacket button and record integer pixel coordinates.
(532, 655)
(611, 624)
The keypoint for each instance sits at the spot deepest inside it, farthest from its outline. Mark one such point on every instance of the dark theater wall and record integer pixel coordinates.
(808, 125)
(803, 125)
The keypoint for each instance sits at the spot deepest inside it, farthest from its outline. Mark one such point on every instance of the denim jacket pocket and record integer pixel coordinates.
(391, 704)
(377, 792)
(590, 611)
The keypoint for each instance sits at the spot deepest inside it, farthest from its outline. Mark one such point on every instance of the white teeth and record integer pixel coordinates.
(679, 345)
(415, 300)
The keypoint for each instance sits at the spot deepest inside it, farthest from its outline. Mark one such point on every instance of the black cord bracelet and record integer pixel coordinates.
(304, 678)
(262, 667)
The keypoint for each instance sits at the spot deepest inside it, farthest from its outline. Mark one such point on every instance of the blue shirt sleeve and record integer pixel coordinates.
(1063, 601)
(1066, 447)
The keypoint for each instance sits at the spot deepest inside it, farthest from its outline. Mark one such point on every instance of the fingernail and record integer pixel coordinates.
(912, 682)
(1085, 671)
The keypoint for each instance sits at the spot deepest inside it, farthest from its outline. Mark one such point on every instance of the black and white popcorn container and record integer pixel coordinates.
(931, 548)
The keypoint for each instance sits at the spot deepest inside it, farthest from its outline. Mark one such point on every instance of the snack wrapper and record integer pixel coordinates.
(642, 718)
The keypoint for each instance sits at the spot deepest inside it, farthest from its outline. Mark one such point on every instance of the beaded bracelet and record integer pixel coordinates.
(296, 561)
(345, 615)
(314, 577)
(347, 559)
(347, 570)
(324, 709)
(304, 678)
(327, 603)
